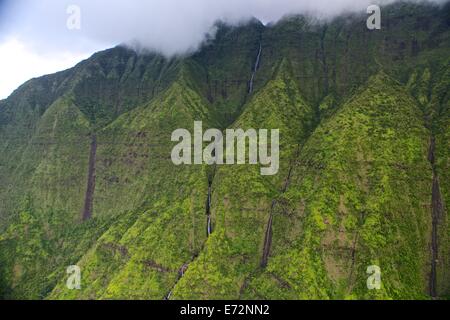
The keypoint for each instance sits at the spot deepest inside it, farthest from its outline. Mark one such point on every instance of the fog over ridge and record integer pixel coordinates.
(35, 39)
(168, 26)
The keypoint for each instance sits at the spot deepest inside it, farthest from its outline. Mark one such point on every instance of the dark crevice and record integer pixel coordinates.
(153, 265)
(268, 234)
(209, 227)
(284, 284)
(89, 197)
(354, 248)
(250, 84)
(268, 237)
(323, 60)
(209, 231)
(244, 287)
(181, 273)
(208, 209)
(353, 256)
(437, 210)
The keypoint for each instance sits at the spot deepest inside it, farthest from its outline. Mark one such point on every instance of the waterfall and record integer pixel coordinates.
(208, 210)
(258, 58)
(209, 226)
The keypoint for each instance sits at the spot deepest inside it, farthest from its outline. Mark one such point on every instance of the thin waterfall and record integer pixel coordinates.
(258, 58)
(185, 266)
(208, 210)
(209, 226)
(168, 296)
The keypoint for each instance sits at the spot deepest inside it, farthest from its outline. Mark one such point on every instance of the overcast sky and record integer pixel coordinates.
(35, 39)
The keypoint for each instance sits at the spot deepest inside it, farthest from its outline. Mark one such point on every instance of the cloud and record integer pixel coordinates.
(18, 64)
(35, 40)
(169, 26)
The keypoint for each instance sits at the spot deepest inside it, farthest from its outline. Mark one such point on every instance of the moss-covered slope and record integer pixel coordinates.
(86, 175)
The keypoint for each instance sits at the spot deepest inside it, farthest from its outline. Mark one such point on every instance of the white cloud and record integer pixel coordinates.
(35, 39)
(19, 64)
(170, 26)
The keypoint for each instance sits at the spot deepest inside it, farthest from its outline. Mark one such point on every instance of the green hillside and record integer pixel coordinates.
(86, 176)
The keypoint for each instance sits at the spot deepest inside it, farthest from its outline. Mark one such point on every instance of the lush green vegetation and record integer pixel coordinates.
(357, 112)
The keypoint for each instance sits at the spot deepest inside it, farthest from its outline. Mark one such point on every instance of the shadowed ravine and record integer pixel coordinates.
(209, 231)
(437, 210)
(268, 234)
(208, 210)
(89, 198)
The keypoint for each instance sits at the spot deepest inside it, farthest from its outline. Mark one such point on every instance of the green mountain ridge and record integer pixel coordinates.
(87, 179)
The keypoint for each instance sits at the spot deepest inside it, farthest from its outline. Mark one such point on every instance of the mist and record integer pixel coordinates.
(167, 26)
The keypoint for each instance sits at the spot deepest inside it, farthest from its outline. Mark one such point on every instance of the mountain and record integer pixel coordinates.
(87, 177)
